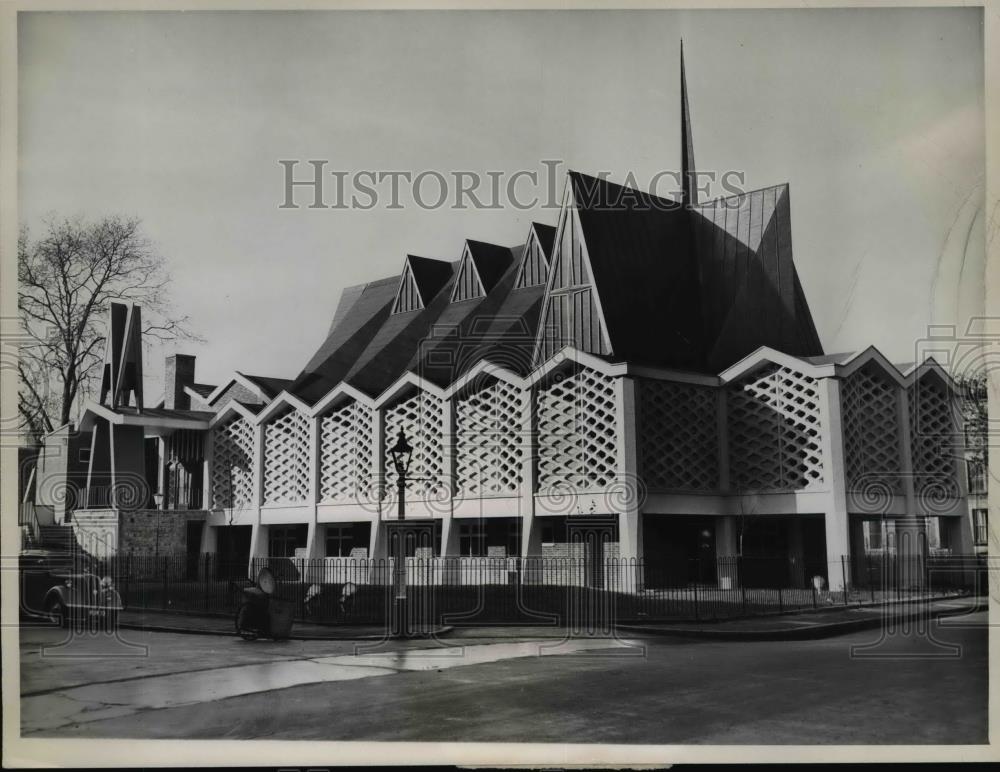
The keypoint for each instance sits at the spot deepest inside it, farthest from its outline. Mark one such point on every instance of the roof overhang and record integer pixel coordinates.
(154, 424)
(233, 407)
(283, 399)
(408, 379)
(485, 368)
(765, 355)
(237, 378)
(340, 392)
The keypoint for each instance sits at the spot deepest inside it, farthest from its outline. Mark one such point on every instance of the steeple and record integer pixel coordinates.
(689, 188)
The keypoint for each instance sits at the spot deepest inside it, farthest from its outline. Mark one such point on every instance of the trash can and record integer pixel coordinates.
(281, 613)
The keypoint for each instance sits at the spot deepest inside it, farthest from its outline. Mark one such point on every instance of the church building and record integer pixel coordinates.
(642, 369)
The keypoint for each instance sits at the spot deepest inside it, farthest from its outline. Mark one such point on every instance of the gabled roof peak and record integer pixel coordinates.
(422, 279)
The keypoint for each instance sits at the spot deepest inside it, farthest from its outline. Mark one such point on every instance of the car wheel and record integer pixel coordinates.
(245, 626)
(57, 613)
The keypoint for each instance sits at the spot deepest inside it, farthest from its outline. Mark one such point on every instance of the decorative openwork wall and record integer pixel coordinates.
(577, 433)
(774, 431)
(488, 444)
(869, 401)
(679, 436)
(346, 452)
(286, 459)
(932, 435)
(421, 417)
(232, 464)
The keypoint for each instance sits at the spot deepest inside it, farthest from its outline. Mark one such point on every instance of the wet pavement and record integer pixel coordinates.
(57, 706)
(907, 684)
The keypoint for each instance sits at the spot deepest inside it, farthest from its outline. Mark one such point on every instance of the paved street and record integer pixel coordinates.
(909, 689)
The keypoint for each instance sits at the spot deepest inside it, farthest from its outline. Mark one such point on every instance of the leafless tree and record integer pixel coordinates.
(67, 278)
(975, 419)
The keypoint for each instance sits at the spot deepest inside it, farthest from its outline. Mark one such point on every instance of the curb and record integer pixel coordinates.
(828, 630)
(331, 637)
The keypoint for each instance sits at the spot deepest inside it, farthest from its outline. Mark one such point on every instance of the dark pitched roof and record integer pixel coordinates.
(430, 275)
(643, 271)
(362, 312)
(202, 389)
(546, 237)
(499, 327)
(271, 387)
(491, 261)
(751, 294)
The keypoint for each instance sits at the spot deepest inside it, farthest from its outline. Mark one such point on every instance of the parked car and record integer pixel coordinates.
(60, 586)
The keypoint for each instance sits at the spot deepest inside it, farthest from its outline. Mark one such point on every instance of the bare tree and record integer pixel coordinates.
(975, 419)
(67, 279)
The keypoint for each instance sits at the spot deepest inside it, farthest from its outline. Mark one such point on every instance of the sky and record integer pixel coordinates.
(873, 116)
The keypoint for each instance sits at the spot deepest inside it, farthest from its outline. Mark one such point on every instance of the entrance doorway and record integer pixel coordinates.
(232, 551)
(679, 551)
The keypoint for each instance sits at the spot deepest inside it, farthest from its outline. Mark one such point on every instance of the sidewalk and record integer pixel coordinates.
(812, 624)
(790, 626)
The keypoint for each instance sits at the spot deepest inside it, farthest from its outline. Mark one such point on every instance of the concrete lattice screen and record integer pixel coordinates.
(774, 431)
(346, 452)
(680, 436)
(933, 422)
(577, 431)
(421, 417)
(488, 443)
(232, 464)
(872, 449)
(286, 459)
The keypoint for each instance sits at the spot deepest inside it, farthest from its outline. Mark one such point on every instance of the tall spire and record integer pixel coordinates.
(689, 188)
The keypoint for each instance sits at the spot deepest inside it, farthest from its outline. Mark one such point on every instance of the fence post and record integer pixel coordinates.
(743, 592)
(814, 596)
(781, 603)
(696, 601)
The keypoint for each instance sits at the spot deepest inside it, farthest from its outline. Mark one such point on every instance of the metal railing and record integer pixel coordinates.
(525, 591)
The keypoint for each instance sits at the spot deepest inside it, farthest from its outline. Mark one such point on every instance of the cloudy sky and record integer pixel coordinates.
(874, 117)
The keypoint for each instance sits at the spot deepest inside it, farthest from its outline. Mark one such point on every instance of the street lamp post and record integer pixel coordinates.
(401, 454)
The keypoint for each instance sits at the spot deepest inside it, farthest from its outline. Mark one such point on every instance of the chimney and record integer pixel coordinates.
(179, 372)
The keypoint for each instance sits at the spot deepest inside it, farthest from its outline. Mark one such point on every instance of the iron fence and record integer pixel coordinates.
(555, 591)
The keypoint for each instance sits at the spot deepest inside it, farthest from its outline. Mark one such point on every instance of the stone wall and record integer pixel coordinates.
(105, 532)
(149, 532)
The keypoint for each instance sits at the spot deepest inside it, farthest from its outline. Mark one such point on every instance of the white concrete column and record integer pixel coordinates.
(208, 451)
(258, 467)
(630, 548)
(258, 543)
(162, 484)
(727, 551)
(449, 542)
(629, 474)
(209, 538)
(911, 532)
(377, 488)
(314, 542)
(531, 531)
(836, 523)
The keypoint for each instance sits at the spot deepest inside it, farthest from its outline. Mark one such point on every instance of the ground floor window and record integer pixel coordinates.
(339, 541)
(472, 540)
(283, 540)
(344, 541)
(980, 526)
